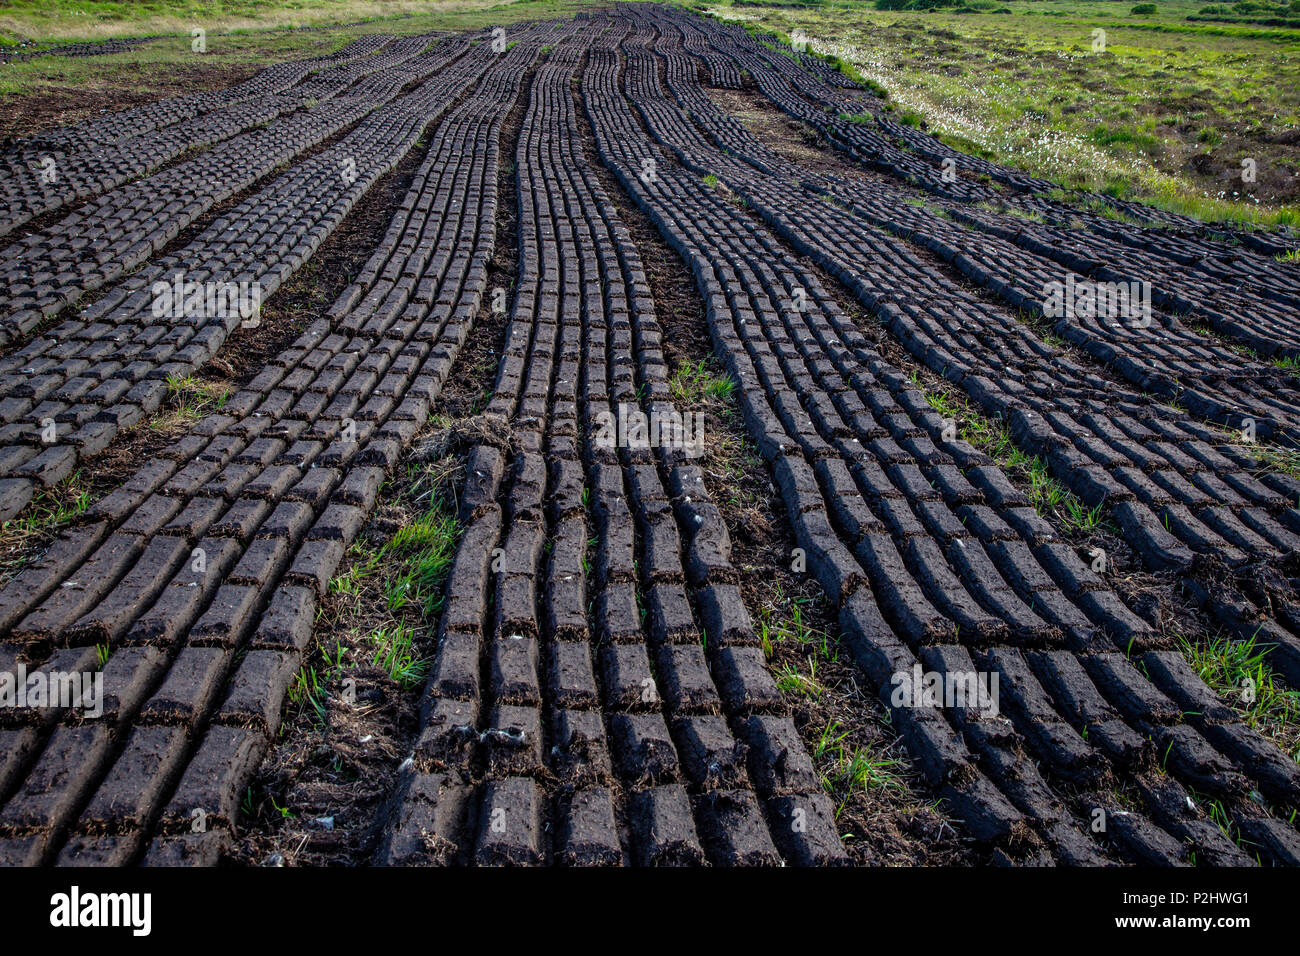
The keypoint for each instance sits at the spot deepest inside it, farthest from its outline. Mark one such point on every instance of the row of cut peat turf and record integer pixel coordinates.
(1052, 740)
(41, 181)
(54, 267)
(272, 491)
(123, 124)
(922, 159)
(101, 373)
(1177, 489)
(647, 749)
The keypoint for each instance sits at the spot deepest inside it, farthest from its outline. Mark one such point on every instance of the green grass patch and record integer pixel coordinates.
(188, 400)
(773, 631)
(49, 510)
(394, 653)
(382, 605)
(1018, 83)
(1238, 670)
(425, 549)
(1289, 363)
(695, 382)
(849, 768)
(307, 693)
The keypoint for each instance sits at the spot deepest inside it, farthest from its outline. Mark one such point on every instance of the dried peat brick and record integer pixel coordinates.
(712, 758)
(257, 690)
(510, 824)
(24, 850)
(99, 850)
(455, 673)
(663, 828)
(61, 677)
(513, 741)
(60, 779)
(684, 680)
(111, 616)
(669, 619)
(215, 778)
(467, 582)
(149, 764)
(726, 619)
(579, 753)
(287, 622)
(130, 674)
(425, 824)
(16, 748)
(191, 687)
(588, 832)
(228, 619)
(803, 826)
(513, 671)
(778, 762)
(643, 748)
(316, 563)
(1276, 841)
(571, 678)
(188, 849)
(734, 829)
(448, 734)
(625, 673)
(32, 583)
(744, 681)
(263, 561)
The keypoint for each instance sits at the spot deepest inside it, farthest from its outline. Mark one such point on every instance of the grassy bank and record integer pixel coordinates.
(73, 20)
(1165, 114)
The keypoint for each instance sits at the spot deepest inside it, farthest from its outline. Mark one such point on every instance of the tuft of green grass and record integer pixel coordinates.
(1078, 516)
(693, 382)
(1238, 670)
(394, 654)
(427, 547)
(941, 403)
(1290, 363)
(1220, 816)
(849, 768)
(1271, 458)
(365, 562)
(190, 399)
(796, 629)
(51, 508)
(306, 692)
(790, 681)
(402, 574)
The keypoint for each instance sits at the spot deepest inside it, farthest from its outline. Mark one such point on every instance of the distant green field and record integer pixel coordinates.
(1166, 114)
(65, 20)
(239, 36)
